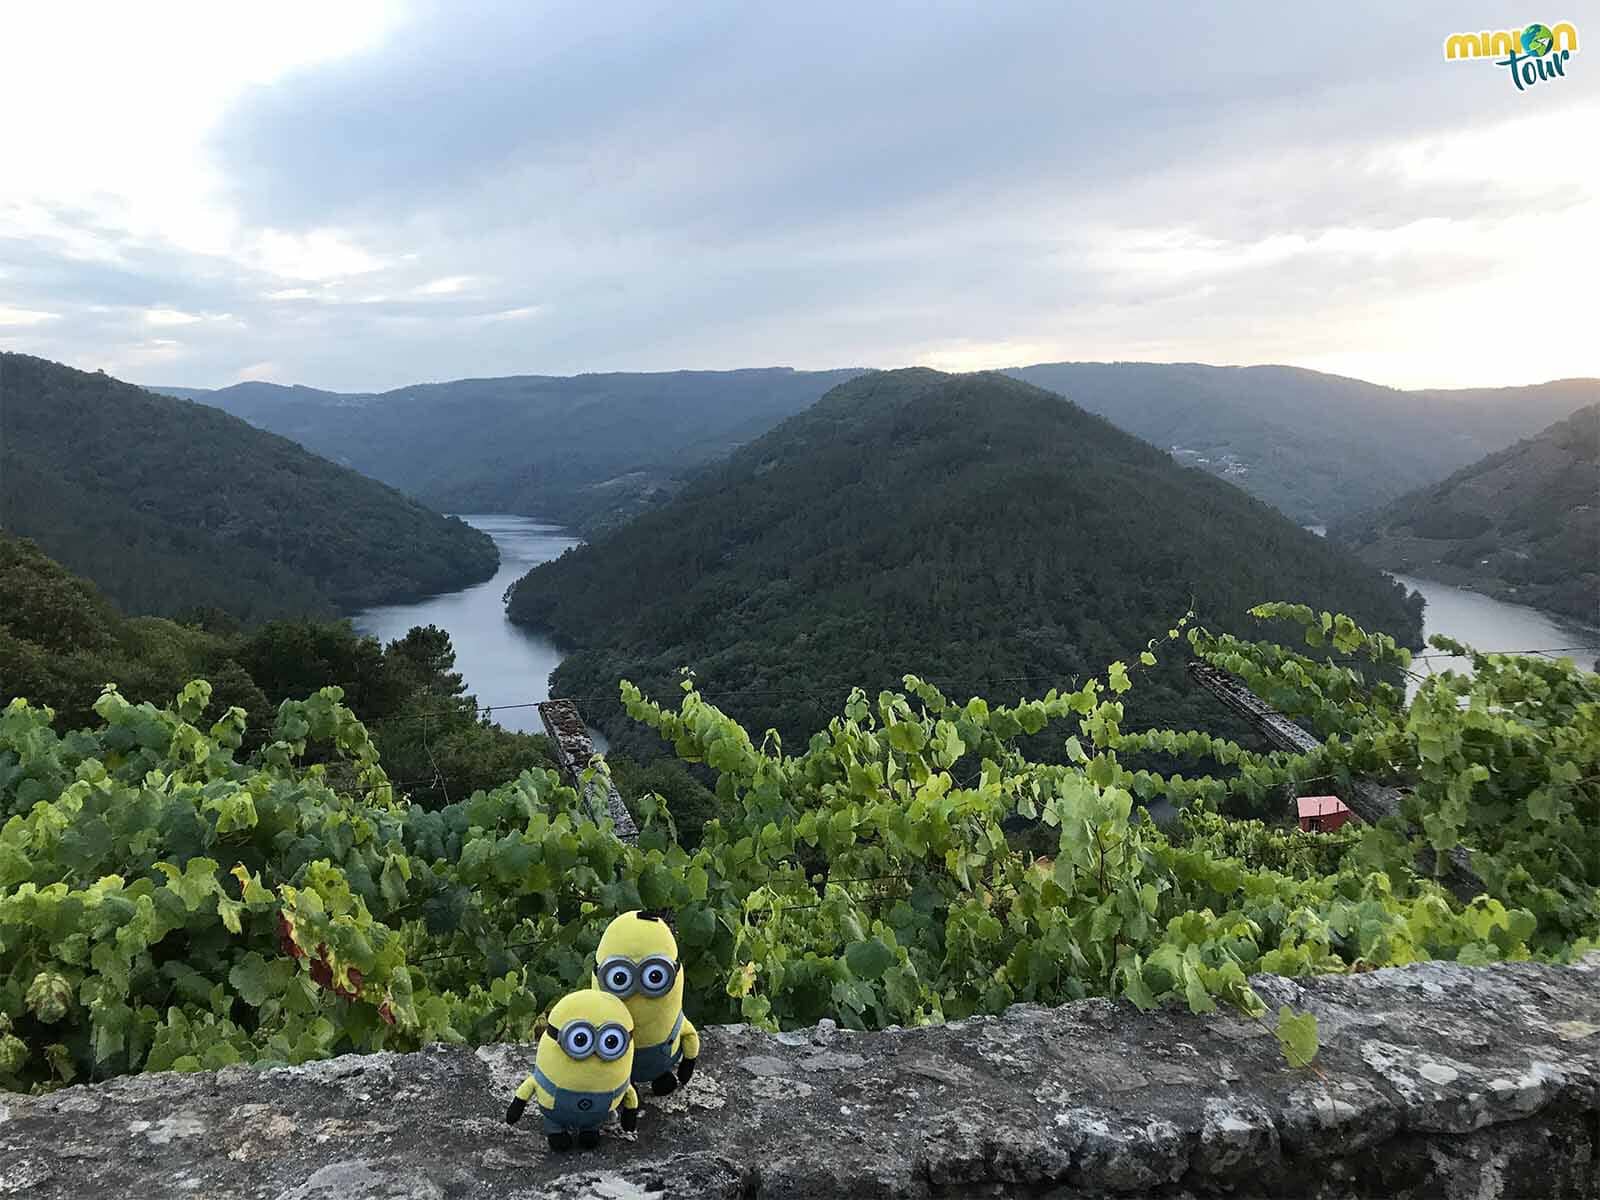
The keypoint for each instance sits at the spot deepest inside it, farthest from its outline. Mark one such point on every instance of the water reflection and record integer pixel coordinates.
(1489, 624)
(505, 666)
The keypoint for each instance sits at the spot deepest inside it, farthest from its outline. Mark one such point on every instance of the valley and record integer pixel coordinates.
(962, 604)
(501, 663)
(587, 451)
(1003, 516)
(988, 530)
(591, 451)
(1522, 524)
(177, 508)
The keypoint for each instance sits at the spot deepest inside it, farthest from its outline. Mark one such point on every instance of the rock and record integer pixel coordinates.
(1434, 1080)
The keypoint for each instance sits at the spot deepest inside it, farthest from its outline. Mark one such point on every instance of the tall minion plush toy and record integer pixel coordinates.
(582, 1070)
(637, 962)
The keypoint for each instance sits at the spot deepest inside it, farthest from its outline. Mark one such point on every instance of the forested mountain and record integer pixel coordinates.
(976, 529)
(61, 641)
(1522, 524)
(592, 450)
(587, 451)
(1316, 447)
(171, 506)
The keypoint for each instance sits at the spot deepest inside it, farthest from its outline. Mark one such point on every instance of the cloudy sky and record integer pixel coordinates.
(358, 196)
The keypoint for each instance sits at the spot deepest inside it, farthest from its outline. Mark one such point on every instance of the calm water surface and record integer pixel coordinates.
(1489, 624)
(502, 663)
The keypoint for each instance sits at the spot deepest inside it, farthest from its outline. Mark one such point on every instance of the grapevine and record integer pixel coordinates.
(166, 903)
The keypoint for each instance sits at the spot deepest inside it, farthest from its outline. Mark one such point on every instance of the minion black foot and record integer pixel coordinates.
(664, 1084)
(560, 1141)
(588, 1139)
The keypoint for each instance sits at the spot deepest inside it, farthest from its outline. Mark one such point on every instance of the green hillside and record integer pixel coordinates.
(171, 506)
(990, 532)
(592, 450)
(1316, 447)
(588, 451)
(61, 642)
(1522, 524)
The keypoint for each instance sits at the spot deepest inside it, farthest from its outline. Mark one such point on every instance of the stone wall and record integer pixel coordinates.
(1433, 1081)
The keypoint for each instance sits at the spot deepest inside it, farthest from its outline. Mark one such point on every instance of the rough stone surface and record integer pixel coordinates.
(1433, 1081)
(569, 738)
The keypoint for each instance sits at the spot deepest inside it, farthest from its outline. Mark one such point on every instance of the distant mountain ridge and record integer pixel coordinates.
(585, 450)
(1522, 524)
(171, 506)
(1317, 447)
(592, 450)
(974, 529)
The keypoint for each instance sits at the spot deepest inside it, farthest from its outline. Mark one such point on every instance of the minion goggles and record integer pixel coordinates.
(622, 977)
(580, 1039)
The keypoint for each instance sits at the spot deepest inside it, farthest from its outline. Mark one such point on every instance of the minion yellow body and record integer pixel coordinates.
(582, 1069)
(637, 962)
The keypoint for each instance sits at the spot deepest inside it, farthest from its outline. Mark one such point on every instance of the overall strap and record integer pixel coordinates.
(550, 1086)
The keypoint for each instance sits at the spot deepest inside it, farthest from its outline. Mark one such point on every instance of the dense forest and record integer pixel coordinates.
(1316, 447)
(988, 530)
(1522, 524)
(592, 450)
(587, 451)
(173, 507)
(61, 641)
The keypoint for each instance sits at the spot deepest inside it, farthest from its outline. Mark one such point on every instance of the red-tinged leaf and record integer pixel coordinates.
(286, 942)
(321, 973)
(353, 989)
(386, 1013)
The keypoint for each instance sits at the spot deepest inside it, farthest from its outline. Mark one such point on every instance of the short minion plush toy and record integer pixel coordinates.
(637, 962)
(582, 1070)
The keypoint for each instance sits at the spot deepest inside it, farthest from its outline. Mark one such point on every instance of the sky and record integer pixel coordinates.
(359, 196)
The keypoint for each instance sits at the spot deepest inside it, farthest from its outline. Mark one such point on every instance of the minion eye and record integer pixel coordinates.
(578, 1039)
(617, 976)
(656, 976)
(613, 1042)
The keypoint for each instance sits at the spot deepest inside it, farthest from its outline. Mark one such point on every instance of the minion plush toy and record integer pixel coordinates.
(637, 962)
(581, 1070)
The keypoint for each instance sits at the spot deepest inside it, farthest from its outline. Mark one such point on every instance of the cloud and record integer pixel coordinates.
(320, 254)
(169, 316)
(512, 314)
(260, 370)
(24, 316)
(423, 192)
(447, 286)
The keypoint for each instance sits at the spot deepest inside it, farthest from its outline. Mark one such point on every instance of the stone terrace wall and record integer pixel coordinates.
(1433, 1081)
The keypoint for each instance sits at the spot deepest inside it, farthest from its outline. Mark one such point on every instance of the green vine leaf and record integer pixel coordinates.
(1297, 1036)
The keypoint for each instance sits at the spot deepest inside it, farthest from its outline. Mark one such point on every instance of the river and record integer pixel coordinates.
(1489, 624)
(503, 664)
(506, 665)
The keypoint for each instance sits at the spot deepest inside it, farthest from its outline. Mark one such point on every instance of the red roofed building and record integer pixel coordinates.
(1322, 814)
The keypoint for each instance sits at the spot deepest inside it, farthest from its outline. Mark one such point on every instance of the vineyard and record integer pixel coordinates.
(167, 902)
